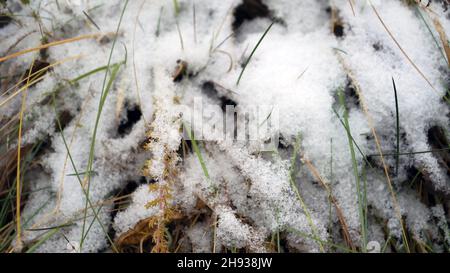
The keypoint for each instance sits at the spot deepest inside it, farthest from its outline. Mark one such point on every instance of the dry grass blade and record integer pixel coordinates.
(336, 205)
(401, 48)
(443, 37)
(230, 67)
(31, 79)
(20, 40)
(56, 43)
(18, 176)
(297, 192)
(352, 6)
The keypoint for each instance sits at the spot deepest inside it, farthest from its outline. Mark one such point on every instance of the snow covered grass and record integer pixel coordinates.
(129, 126)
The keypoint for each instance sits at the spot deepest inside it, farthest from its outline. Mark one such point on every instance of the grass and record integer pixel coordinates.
(198, 153)
(7, 236)
(136, 82)
(294, 187)
(106, 86)
(431, 32)
(32, 79)
(333, 200)
(112, 71)
(91, 20)
(158, 25)
(37, 78)
(85, 192)
(32, 153)
(44, 46)
(404, 52)
(176, 7)
(47, 236)
(397, 129)
(395, 153)
(355, 173)
(323, 242)
(18, 176)
(353, 140)
(378, 146)
(194, 22)
(253, 52)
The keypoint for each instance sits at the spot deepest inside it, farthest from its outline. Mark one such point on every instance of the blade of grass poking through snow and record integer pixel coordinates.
(253, 52)
(397, 129)
(354, 142)
(180, 36)
(115, 70)
(355, 171)
(93, 220)
(176, 7)
(158, 26)
(194, 19)
(89, 73)
(197, 152)
(136, 82)
(364, 200)
(106, 86)
(297, 192)
(370, 121)
(91, 20)
(80, 180)
(331, 161)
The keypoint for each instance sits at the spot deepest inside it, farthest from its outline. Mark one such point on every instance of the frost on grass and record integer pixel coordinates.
(225, 195)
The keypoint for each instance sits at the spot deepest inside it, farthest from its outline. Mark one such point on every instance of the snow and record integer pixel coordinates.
(292, 79)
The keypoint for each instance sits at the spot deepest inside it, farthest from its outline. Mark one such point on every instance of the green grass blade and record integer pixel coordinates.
(397, 157)
(105, 90)
(197, 152)
(88, 201)
(47, 236)
(355, 171)
(354, 141)
(253, 52)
